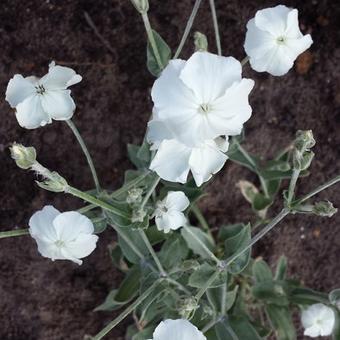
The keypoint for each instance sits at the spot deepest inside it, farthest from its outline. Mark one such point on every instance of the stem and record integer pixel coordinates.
(244, 61)
(284, 212)
(129, 185)
(211, 324)
(151, 39)
(217, 33)
(149, 193)
(88, 198)
(206, 249)
(224, 298)
(317, 190)
(180, 286)
(13, 233)
(292, 185)
(86, 208)
(188, 28)
(152, 252)
(86, 153)
(207, 285)
(126, 312)
(201, 219)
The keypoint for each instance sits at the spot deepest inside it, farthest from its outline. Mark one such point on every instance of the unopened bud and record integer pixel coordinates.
(302, 161)
(324, 209)
(54, 182)
(138, 215)
(304, 140)
(24, 156)
(134, 196)
(142, 6)
(201, 42)
(187, 307)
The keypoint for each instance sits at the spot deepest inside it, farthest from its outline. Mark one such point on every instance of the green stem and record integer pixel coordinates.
(151, 39)
(126, 312)
(292, 185)
(86, 208)
(203, 289)
(152, 252)
(99, 203)
(188, 28)
(177, 284)
(211, 324)
(224, 299)
(13, 233)
(129, 185)
(284, 212)
(215, 22)
(149, 193)
(244, 61)
(317, 190)
(86, 153)
(201, 219)
(204, 247)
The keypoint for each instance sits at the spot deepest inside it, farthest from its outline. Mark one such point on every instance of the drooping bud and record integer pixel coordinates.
(54, 182)
(302, 156)
(134, 196)
(201, 42)
(142, 6)
(24, 156)
(324, 209)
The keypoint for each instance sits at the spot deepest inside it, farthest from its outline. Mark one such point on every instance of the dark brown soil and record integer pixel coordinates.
(43, 300)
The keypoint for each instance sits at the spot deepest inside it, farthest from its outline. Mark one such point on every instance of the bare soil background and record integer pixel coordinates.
(42, 300)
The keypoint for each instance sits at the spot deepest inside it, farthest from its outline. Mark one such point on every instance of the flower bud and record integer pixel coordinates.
(324, 209)
(54, 182)
(134, 196)
(201, 42)
(138, 215)
(302, 161)
(24, 156)
(142, 6)
(187, 307)
(304, 140)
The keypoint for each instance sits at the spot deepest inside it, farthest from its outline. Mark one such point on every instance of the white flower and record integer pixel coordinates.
(274, 40)
(318, 320)
(168, 213)
(38, 101)
(62, 236)
(177, 330)
(202, 98)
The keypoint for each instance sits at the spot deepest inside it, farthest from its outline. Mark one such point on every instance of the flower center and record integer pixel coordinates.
(161, 209)
(204, 108)
(40, 89)
(59, 243)
(281, 40)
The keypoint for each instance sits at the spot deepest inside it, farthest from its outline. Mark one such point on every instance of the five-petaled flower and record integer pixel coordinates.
(38, 101)
(177, 329)
(62, 236)
(169, 212)
(274, 40)
(197, 104)
(318, 320)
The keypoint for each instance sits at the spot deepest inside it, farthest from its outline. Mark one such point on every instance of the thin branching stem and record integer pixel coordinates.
(292, 185)
(188, 28)
(150, 191)
(13, 233)
(216, 29)
(86, 153)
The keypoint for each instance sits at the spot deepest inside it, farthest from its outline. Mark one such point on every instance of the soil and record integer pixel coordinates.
(42, 300)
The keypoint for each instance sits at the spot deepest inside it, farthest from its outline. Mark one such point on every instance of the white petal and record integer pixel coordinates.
(298, 46)
(83, 246)
(59, 78)
(292, 26)
(163, 223)
(66, 255)
(222, 143)
(170, 95)
(30, 113)
(172, 161)
(177, 329)
(157, 132)
(176, 219)
(231, 111)
(206, 161)
(273, 20)
(312, 331)
(71, 224)
(41, 223)
(18, 89)
(209, 75)
(58, 104)
(258, 43)
(177, 200)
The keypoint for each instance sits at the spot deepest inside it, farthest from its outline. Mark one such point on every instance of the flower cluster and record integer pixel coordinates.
(198, 103)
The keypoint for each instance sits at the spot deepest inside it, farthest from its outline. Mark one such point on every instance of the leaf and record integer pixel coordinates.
(238, 157)
(271, 292)
(173, 251)
(99, 225)
(334, 297)
(197, 241)
(306, 296)
(164, 54)
(140, 156)
(336, 328)
(224, 331)
(248, 190)
(200, 277)
(261, 202)
(110, 303)
(281, 268)
(117, 257)
(190, 189)
(243, 328)
(129, 286)
(281, 321)
(261, 271)
(237, 238)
